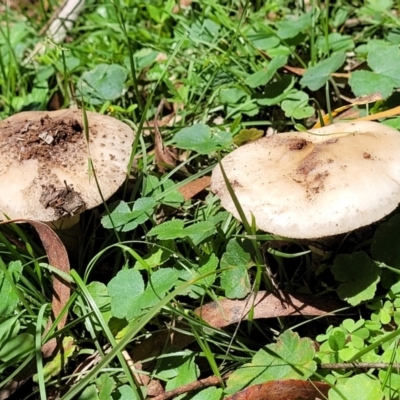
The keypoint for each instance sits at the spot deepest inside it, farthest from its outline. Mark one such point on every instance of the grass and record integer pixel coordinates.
(149, 258)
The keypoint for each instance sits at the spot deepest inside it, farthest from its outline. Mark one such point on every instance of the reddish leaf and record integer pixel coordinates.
(164, 155)
(264, 305)
(58, 258)
(224, 312)
(189, 190)
(290, 389)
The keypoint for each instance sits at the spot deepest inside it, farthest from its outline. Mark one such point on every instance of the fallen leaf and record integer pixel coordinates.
(372, 98)
(264, 305)
(224, 312)
(58, 258)
(164, 156)
(301, 71)
(290, 389)
(190, 189)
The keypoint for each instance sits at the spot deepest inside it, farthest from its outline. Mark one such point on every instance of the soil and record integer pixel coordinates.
(297, 144)
(54, 143)
(47, 139)
(65, 201)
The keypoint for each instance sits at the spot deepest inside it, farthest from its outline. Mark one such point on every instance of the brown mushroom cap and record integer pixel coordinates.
(44, 169)
(317, 183)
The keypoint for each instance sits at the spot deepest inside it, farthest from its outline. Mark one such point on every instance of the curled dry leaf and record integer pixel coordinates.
(165, 156)
(290, 389)
(264, 305)
(190, 189)
(58, 258)
(225, 312)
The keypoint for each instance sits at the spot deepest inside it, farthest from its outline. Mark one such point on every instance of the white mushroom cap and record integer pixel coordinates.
(42, 152)
(317, 183)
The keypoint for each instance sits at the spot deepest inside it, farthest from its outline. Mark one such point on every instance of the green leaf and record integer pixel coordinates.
(385, 244)
(169, 230)
(178, 370)
(175, 229)
(248, 107)
(56, 364)
(315, 77)
(337, 339)
(359, 275)
(296, 106)
(262, 40)
(125, 290)
(16, 346)
(126, 219)
(235, 280)
(364, 83)
(104, 82)
(360, 387)
(208, 264)
(292, 27)
(290, 358)
(8, 298)
(9, 329)
(124, 392)
(211, 393)
(385, 76)
(262, 77)
(247, 135)
(202, 139)
(275, 92)
(156, 257)
(105, 385)
(160, 282)
(90, 393)
(385, 60)
(200, 231)
(232, 95)
(336, 42)
(174, 198)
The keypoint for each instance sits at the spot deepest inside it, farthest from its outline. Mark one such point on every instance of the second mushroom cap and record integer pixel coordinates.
(317, 183)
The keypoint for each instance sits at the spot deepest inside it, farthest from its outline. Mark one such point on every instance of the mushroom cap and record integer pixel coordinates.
(44, 169)
(313, 184)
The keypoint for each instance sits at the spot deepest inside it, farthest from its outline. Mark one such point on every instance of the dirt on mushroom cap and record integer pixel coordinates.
(41, 150)
(316, 183)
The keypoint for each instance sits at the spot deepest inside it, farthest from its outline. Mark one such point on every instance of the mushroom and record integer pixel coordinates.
(44, 172)
(314, 184)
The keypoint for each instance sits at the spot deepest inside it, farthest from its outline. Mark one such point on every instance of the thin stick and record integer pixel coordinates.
(379, 365)
(201, 384)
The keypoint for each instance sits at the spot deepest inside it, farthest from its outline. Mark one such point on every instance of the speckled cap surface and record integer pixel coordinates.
(45, 153)
(317, 183)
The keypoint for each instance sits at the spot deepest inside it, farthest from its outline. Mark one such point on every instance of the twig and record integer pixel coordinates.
(359, 365)
(201, 384)
(59, 24)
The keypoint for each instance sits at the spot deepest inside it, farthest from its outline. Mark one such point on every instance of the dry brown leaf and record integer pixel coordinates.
(301, 71)
(58, 258)
(190, 189)
(224, 312)
(345, 112)
(164, 156)
(264, 305)
(290, 389)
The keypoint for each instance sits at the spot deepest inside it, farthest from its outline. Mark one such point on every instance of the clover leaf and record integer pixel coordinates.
(202, 139)
(359, 276)
(289, 358)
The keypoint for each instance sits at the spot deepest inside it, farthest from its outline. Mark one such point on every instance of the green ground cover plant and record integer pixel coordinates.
(226, 72)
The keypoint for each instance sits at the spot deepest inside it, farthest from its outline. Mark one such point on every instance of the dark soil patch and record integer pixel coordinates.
(46, 139)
